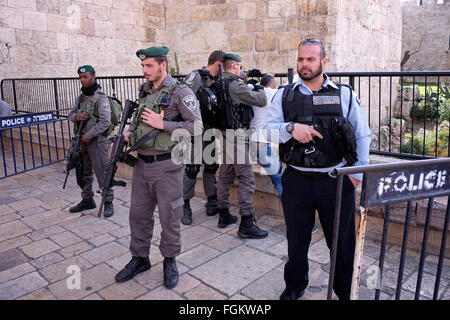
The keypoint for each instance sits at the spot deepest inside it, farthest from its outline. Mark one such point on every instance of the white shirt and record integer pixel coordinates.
(259, 119)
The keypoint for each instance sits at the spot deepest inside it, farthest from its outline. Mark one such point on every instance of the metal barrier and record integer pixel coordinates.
(59, 94)
(32, 141)
(385, 184)
(381, 94)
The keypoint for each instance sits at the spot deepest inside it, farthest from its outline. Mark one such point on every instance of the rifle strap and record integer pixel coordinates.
(148, 136)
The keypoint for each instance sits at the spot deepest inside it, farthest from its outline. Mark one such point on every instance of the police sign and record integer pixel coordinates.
(25, 120)
(404, 184)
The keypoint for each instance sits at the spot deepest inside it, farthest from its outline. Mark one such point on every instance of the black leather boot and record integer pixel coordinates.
(291, 294)
(249, 230)
(187, 213)
(85, 204)
(211, 206)
(108, 210)
(225, 218)
(135, 266)
(170, 272)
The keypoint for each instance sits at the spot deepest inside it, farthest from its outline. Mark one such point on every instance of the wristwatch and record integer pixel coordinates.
(290, 127)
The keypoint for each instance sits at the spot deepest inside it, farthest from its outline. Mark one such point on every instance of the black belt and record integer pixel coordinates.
(150, 159)
(310, 174)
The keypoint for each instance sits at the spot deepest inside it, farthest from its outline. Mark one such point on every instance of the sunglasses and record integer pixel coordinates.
(315, 41)
(311, 40)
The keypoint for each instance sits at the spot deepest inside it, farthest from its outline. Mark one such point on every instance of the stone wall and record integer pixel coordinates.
(44, 38)
(429, 22)
(50, 38)
(267, 33)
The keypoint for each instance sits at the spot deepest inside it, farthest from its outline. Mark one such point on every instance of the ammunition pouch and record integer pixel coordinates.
(344, 138)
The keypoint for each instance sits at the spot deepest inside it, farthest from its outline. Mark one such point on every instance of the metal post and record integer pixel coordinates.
(337, 217)
(359, 247)
(290, 75)
(113, 86)
(403, 254)
(56, 98)
(442, 251)
(15, 96)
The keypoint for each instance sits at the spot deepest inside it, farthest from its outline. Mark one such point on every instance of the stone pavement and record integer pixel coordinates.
(40, 241)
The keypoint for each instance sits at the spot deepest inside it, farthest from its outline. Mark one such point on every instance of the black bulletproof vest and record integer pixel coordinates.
(317, 110)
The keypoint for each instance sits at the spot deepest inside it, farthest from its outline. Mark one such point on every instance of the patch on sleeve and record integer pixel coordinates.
(104, 104)
(190, 102)
(190, 79)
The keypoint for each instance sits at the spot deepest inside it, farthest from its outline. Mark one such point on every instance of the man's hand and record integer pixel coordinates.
(127, 136)
(81, 117)
(304, 134)
(84, 141)
(354, 181)
(153, 119)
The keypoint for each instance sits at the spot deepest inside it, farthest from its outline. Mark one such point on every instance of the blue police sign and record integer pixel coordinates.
(25, 120)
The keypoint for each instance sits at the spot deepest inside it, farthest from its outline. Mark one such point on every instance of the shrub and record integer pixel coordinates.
(416, 145)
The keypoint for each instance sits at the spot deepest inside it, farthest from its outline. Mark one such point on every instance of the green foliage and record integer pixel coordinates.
(175, 70)
(433, 104)
(433, 146)
(444, 111)
(415, 144)
(438, 146)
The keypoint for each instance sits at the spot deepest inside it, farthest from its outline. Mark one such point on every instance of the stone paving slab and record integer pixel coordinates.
(92, 280)
(14, 243)
(16, 272)
(235, 269)
(21, 286)
(123, 291)
(40, 240)
(11, 258)
(39, 248)
(13, 229)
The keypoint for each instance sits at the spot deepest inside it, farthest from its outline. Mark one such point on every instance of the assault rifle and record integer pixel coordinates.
(226, 101)
(118, 154)
(119, 150)
(75, 156)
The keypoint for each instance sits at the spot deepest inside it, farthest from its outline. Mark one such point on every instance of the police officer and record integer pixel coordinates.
(242, 98)
(93, 106)
(198, 80)
(304, 114)
(157, 180)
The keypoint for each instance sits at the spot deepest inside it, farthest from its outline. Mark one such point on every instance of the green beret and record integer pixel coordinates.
(86, 68)
(232, 56)
(152, 52)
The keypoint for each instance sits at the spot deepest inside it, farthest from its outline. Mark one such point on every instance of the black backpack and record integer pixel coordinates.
(223, 111)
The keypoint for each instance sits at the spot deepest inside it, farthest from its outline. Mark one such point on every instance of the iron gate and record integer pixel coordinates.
(31, 141)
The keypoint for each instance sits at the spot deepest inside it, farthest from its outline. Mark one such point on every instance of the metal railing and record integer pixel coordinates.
(382, 95)
(386, 184)
(32, 142)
